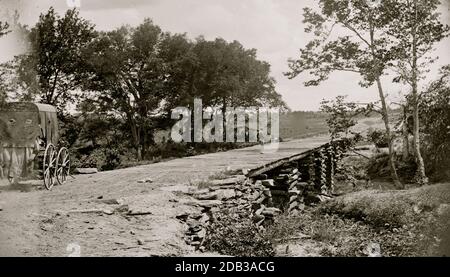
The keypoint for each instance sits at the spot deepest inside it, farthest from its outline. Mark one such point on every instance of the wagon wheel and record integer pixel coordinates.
(49, 166)
(62, 165)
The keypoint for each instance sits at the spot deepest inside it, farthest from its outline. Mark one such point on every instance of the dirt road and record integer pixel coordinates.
(64, 221)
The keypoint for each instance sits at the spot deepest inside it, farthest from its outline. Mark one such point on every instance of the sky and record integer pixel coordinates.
(273, 27)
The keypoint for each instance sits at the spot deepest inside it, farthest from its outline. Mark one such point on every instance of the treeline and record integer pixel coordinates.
(114, 89)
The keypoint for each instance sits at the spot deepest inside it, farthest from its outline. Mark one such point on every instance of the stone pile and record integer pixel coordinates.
(287, 188)
(242, 198)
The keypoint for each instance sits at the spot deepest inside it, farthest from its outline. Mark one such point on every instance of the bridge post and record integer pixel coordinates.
(323, 171)
(330, 169)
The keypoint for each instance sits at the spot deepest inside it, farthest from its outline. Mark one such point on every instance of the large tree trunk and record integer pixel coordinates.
(420, 174)
(385, 116)
(136, 137)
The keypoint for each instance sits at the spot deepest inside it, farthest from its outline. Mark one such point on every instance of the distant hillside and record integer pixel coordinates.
(300, 124)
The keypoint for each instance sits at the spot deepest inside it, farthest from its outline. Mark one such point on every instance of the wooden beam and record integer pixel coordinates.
(275, 164)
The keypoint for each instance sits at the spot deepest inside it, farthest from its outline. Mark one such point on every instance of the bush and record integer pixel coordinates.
(378, 168)
(236, 235)
(379, 138)
(100, 158)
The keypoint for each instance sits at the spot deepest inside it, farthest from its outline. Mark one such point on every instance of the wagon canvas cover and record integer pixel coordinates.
(21, 124)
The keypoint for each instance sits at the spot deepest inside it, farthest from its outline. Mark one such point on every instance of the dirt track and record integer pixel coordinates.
(40, 223)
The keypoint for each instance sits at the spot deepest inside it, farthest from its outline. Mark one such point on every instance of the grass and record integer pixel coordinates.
(412, 222)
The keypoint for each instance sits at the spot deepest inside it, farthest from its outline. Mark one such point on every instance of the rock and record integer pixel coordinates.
(214, 188)
(59, 213)
(268, 183)
(225, 194)
(194, 226)
(198, 191)
(138, 212)
(242, 201)
(257, 218)
(205, 218)
(228, 181)
(271, 212)
(109, 201)
(183, 216)
(210, 203)
(86, 170)
(245, 171)
(146, 180)
(196, 215)
(260, 210)
(140, 242)
(273, 209)
(122, 208)
(260, 222)
(260, 199)
(201, 234)
(294, 212)
(207, 196)
(301, 206)
(108, 211)
(323, 198)
(267, 192)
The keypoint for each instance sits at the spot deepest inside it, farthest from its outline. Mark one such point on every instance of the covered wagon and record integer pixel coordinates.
(28, 144)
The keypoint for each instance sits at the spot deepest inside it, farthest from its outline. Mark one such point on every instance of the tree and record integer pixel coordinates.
(341, 115)
(56, 56)
(416, 26)
(127, 72)
(142, 73)
(227, 74)
(363, 49)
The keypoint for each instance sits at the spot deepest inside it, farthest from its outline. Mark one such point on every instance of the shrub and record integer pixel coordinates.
(235, 234)
(379, 138)
(100, 158)
(378, 167)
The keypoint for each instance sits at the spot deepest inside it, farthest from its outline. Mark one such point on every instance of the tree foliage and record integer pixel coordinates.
(57, 45)
(435, 118)
(341, 115)
(416, 27)
(141, 73)
(362, 47)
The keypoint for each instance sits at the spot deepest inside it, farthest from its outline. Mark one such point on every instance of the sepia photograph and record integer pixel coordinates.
(272, 129)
